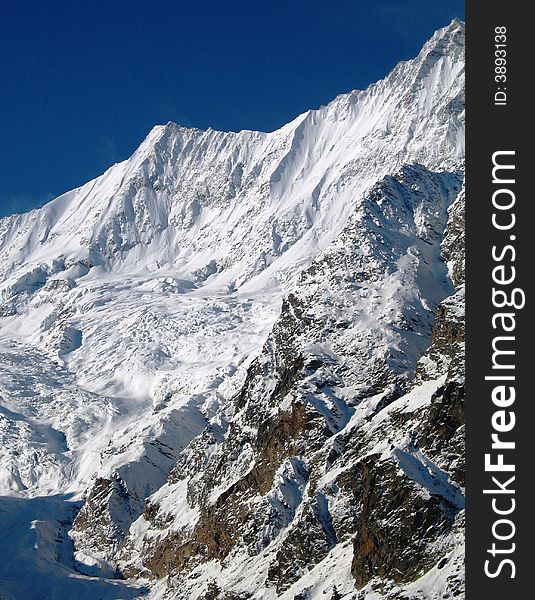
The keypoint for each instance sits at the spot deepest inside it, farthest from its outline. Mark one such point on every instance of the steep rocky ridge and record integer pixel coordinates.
(220, 350)
(330, 440)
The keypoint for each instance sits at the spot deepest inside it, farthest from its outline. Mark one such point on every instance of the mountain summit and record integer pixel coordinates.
(231, 366)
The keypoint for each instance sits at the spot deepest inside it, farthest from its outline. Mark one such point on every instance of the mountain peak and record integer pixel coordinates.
(211, 344)
(447, 41)
(189, 196)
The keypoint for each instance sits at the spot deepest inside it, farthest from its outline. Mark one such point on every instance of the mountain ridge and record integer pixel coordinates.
(436, 48)
(217, 316)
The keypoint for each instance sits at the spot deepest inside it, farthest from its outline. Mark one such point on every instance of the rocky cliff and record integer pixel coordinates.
(232, 365)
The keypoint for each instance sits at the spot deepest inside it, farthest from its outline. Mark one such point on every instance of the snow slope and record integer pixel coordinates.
(133, 308)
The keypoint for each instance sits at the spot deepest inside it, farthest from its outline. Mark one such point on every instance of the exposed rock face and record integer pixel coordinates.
(394, 533)
(244, 353)
(330, 440)
(113, 503)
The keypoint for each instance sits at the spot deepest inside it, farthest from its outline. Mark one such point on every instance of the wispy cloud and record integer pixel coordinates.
(20, 203)
(167, 110)
(107, 150)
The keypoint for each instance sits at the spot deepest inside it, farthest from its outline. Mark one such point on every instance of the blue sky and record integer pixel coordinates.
(82, 83)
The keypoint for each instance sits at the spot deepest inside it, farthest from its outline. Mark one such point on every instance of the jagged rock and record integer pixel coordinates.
(273, 344)
(378, 500)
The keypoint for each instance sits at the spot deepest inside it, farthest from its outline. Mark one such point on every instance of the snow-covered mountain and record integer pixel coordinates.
(218, 377)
